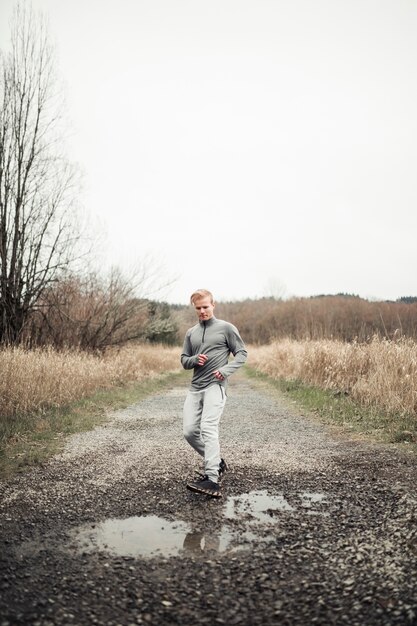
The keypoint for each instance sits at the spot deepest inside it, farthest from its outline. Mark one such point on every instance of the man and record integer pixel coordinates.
(207, 347)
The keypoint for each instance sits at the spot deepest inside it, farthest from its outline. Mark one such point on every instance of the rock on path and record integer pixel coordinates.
(313, 528)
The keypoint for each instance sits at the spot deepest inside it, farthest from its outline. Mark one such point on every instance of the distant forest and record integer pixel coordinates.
(343, 316)
(94, 317)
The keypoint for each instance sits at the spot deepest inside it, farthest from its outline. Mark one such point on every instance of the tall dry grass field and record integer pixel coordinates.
(381, 374)
(34, 380)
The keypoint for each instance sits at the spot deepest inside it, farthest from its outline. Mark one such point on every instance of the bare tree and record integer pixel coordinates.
(88, 312)
(98, 310)
(93, 312)
(36, 182)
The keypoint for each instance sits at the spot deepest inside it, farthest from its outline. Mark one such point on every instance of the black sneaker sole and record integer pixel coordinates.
(205, 492)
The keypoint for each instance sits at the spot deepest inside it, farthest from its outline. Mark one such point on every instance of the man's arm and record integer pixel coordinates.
(188, 360)
(238, 349)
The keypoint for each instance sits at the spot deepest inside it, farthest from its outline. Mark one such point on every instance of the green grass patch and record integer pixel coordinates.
(32, 439)
(340, 410)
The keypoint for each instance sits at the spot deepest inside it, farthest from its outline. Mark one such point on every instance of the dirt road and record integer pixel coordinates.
(312, 528)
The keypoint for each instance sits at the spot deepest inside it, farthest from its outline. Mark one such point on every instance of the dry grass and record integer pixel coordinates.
(381, 374)
(33, 381)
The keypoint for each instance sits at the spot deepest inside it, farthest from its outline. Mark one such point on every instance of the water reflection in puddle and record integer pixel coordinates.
(262, 507)
(134, 536)
(151, 536)
(256, 504)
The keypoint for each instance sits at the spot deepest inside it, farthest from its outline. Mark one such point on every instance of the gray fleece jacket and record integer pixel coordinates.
(217, 339)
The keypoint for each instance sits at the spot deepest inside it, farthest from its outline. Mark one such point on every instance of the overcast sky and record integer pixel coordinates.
(254, 148)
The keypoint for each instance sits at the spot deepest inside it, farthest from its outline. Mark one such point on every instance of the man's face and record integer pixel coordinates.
(204, 308)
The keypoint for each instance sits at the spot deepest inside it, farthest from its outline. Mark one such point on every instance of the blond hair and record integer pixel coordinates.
(201, 293)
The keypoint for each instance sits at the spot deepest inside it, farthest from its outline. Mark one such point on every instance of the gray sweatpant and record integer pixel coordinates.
(202, 412)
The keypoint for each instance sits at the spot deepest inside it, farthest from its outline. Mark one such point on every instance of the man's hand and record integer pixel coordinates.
(202, 359)
(218, 375)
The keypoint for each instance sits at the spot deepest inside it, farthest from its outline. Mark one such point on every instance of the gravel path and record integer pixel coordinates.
(313, 528)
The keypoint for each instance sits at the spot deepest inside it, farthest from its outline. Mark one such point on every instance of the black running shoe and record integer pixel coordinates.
(223, 467)
(205, 486)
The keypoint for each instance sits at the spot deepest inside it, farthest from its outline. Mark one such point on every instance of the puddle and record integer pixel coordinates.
(154, 536)
(134, 536)
(225, 541)
(261, 507)
(257, 505)
(151, 536)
